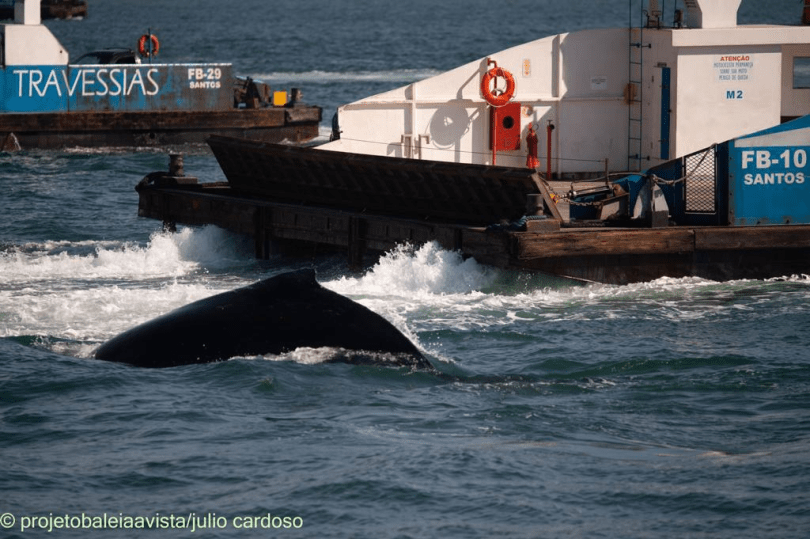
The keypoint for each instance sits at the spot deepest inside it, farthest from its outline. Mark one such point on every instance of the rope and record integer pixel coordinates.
(661, 181)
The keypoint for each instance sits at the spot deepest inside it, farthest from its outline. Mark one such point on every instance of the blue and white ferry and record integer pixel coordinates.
(47, 102)
(676, 146)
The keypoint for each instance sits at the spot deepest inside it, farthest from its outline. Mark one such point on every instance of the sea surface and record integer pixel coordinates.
(672, 408)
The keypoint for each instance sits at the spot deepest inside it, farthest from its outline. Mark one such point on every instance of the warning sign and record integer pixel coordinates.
(734, 68)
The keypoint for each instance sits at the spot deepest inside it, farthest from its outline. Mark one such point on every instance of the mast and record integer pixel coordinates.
(27, 12)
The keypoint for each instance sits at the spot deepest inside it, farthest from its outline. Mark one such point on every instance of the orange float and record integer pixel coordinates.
(500, 99)
(143, 51)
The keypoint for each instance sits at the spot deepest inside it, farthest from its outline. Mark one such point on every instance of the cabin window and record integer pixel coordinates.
(801, 72)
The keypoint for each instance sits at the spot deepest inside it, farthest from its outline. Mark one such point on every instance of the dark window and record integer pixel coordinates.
(801, 72)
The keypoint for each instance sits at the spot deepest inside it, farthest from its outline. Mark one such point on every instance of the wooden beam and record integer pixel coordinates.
(752, 237)
(602, 242)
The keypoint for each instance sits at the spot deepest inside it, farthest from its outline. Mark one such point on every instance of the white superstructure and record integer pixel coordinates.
(27, 41)
(625, 99)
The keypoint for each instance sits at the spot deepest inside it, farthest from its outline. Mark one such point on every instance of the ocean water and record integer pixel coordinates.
(673, 408)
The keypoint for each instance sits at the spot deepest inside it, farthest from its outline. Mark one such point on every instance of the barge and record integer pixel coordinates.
(670, 150)
(47, 102)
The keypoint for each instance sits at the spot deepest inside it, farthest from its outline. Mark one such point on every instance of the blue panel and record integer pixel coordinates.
(769, 180)
(665, 105)
(120, 88)
(34, 89)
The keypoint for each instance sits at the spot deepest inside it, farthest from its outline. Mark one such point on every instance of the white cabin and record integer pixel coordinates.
(27, 41)
(622, 99)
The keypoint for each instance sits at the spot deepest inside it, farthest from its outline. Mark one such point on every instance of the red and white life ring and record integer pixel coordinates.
(500, 99)
(143, 50)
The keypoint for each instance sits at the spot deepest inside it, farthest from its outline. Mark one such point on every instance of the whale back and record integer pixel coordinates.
(272, 316)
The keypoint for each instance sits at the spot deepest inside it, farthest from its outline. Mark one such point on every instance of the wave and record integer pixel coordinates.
(165, 255)
(436, 289)
(92, 290)
(410, 271)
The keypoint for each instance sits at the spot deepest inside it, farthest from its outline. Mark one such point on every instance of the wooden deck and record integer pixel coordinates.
(616, 256)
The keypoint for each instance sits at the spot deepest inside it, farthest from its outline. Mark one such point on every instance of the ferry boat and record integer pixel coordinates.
(47, 102)
(51, 9)
(622, 99)
(611, 155)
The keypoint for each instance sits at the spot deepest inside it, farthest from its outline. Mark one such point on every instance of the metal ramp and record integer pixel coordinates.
(436, 190)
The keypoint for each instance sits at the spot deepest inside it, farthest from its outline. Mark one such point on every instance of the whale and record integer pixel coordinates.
(270, 317)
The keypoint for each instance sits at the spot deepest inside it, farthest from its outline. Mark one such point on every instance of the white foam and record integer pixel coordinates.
(426, 271)
(92, 314)
(328, 77)
(420, 288)
(91, 291)
(165, 255)
(434, 288)
(306, 355)
(94, 290)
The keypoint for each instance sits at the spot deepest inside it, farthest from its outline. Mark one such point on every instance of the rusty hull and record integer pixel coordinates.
(156, 128)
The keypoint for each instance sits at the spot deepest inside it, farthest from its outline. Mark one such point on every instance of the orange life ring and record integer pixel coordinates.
(142, 45)
(501, 99)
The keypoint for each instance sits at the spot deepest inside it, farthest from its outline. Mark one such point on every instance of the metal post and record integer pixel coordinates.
(549, 129)
(176, 165)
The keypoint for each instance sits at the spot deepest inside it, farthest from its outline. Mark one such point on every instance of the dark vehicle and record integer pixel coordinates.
(109, 56)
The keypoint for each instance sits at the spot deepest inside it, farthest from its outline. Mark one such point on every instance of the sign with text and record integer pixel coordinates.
(770, 178)
(116, 88)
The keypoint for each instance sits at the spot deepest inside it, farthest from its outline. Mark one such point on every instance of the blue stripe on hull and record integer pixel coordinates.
(145, 87)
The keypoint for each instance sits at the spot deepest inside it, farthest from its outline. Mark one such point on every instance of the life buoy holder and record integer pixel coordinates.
(143, 50)
(502, 98)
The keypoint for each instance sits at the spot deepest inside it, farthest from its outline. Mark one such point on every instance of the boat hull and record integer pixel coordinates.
(614, 256)
(155, 128)
(56, 105)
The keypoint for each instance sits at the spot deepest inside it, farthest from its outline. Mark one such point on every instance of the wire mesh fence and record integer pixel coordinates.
(700, 186)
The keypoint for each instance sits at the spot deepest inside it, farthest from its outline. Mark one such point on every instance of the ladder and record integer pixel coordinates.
(634, 94)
